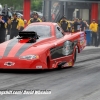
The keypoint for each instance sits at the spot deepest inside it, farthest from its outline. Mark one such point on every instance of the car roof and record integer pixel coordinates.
(44, 23)
(50, 24)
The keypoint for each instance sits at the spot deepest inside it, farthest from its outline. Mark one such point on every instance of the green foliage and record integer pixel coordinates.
(36, 5)
(18, 4)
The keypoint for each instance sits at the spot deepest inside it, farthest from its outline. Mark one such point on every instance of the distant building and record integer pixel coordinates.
(86, 9)
(1, 9)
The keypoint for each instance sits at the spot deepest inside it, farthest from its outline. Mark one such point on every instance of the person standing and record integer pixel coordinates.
(65, 25)
(25, 23)
(76, 25)
(14, 26)
(86, 25)
(34, 19)
(98, 34)
(8, 28)
(94, 29)
(82, 25)
(2, 29)
(43, 19)
(21, 23)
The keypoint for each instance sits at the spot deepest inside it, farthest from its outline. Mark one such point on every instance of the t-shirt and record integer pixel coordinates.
(82, 25)
(76, 26)
(94, 27)
(14, 24)
(64, 25)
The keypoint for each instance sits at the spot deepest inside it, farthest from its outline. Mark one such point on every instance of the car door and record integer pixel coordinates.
(56, 52)
(62, 48)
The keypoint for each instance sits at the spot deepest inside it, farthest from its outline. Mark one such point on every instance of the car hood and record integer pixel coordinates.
(13, 48)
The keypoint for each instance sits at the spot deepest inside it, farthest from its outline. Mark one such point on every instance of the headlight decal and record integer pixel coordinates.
(29, 57)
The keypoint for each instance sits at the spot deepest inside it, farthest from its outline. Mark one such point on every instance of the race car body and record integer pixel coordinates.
(41, 45)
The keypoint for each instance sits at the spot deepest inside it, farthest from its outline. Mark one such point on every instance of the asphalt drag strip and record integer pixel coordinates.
(81, 82)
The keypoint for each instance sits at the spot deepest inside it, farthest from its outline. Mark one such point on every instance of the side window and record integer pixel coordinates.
(59, 34)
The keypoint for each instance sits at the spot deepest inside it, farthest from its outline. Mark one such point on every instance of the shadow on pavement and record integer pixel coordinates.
(18, 71)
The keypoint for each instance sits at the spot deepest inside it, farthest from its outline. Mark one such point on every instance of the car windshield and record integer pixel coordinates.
(41, 30)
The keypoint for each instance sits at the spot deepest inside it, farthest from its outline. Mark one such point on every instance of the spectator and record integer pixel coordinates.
(2, 29)
(82, 25)
(21, 23)
(94, 29)
(99, 34)
(25, 23)
(65, 24)
(43, 19)
(35, 18)
(8, 28)
(76, 25)
(14, 26)
(86, 25)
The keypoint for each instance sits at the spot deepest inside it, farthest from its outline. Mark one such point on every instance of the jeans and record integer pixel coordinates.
(99, 37)
(94, 39)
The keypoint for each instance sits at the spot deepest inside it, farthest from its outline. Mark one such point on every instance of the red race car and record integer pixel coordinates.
(41, 45)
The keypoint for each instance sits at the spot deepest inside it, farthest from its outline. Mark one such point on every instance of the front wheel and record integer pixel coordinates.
(69, 64)
(74, 57)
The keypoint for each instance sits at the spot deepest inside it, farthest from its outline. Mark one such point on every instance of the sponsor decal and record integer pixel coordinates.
(9, 63)
(68, 64)
(82, 34)
(82, 42)
(81, 39)
(38, 67)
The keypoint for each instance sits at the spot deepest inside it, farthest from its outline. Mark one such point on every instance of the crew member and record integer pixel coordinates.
(21, 23)
(2, 29)
(43, 19)
(65, 24)
(8, 27)
(99, 34)
(14, 26)
(94, 29)
(86, 25)
(35, 18)
(76, 25)
(82, 25)
(25, 23)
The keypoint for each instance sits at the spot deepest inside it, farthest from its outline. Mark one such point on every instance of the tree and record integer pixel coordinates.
(36, 5)
(18, 4)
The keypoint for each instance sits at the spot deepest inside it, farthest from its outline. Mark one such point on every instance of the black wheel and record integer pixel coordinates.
(75, 55)
(48, 62)
(74, 59)
(61, 64)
